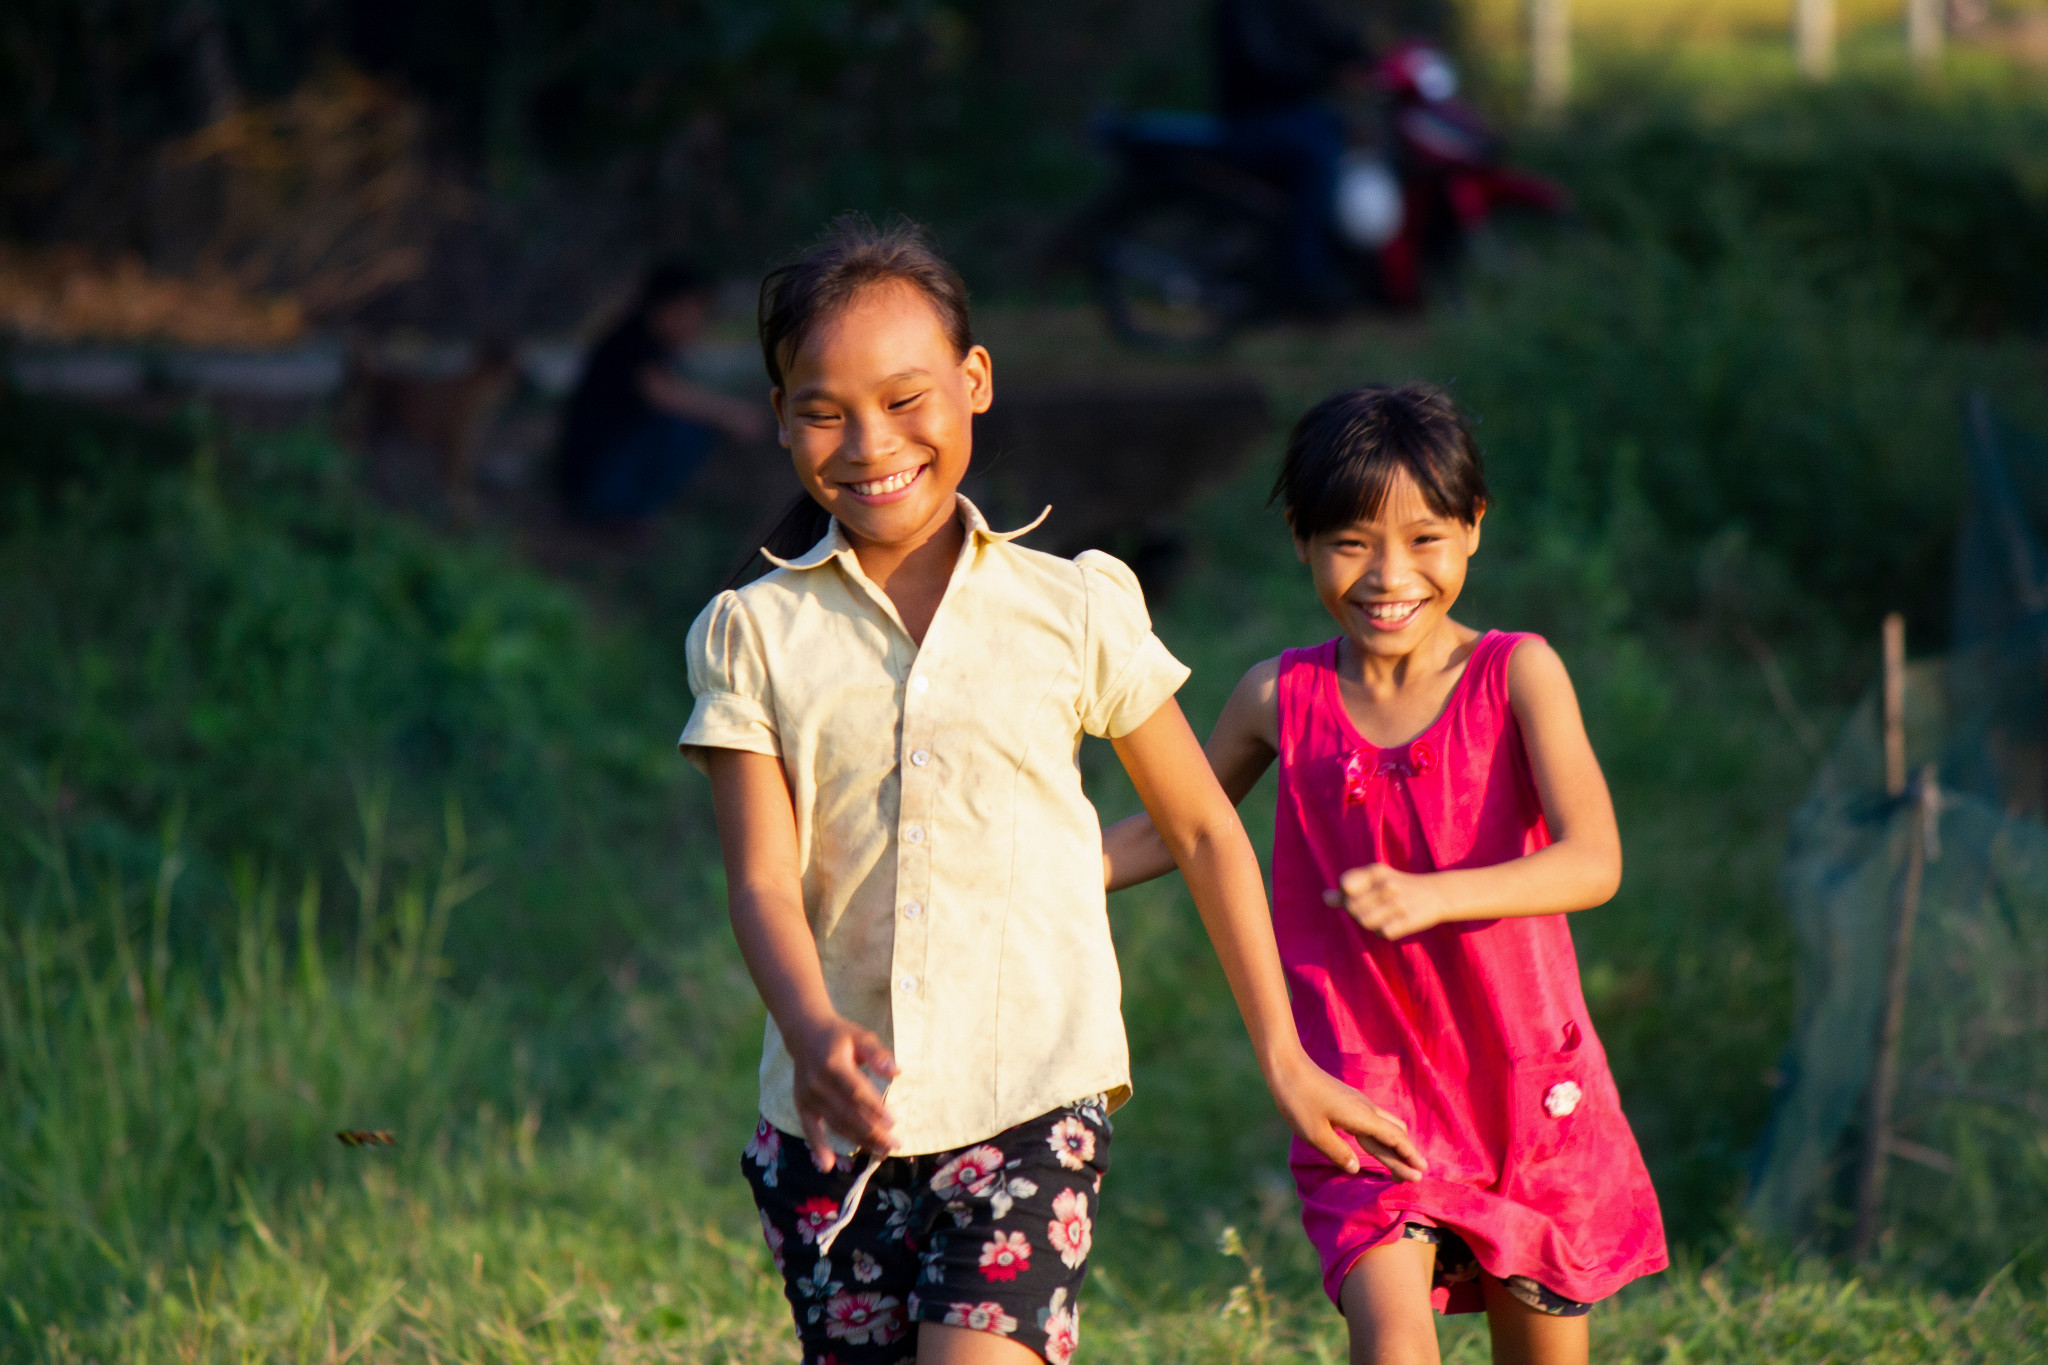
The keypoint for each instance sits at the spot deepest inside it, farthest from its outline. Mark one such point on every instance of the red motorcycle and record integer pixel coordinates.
(1190, 244)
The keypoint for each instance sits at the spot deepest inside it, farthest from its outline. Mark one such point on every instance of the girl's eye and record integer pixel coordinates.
(903, 403)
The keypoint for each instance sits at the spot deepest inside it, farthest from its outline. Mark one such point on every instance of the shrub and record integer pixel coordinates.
(218, 619)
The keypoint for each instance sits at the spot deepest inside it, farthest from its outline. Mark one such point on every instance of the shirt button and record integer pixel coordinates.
(911, 910)
(908, 983)
(920, 683)
(919, 757)
(913, 835)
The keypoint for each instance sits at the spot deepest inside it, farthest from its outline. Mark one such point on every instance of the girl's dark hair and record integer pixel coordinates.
(853, 255)
(1344, 453)
(799, 296)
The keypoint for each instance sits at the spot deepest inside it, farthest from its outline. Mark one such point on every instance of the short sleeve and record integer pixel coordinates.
(728, 672)
(1127, 674)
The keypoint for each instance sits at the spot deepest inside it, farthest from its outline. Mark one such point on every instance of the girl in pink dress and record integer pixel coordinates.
(1440, 810)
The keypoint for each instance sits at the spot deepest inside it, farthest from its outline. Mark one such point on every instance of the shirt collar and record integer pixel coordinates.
(834, 543)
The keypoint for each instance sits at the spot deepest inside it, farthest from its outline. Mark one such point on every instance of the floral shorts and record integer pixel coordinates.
(1456, 1264)
(992, 1237)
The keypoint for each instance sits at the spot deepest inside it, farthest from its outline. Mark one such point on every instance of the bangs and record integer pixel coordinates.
(1359, 491)
(1346, 454)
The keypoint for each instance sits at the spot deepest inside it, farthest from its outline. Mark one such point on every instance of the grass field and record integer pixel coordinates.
(317, 820)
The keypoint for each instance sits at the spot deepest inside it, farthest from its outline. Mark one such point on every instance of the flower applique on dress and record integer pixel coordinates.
(1410, 760)
(1355, 770)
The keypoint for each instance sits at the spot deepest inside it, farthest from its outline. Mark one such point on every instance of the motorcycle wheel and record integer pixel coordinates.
(1182, 273)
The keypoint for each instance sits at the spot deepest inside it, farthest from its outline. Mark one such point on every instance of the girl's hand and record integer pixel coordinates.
(834, 1095)
(1318, 1106)
(757, 830)
(1389, 903)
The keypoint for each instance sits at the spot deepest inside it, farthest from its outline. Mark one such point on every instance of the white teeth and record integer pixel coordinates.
(888, 485)
(1391, 611)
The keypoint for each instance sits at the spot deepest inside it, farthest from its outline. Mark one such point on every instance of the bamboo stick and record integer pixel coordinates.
(1924, 31)
(1813, 32)
(1884, 1079)
(1550, 55)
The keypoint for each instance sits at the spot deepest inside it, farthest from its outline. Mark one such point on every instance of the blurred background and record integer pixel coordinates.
(379, 404)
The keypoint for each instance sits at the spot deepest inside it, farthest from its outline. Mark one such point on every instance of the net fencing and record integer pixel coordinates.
(1964, 1155)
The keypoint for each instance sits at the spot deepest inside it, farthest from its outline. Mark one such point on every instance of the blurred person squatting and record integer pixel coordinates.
(635, 429)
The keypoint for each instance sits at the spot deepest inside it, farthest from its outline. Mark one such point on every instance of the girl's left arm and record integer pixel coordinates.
(1580, 869)
(1198, 823)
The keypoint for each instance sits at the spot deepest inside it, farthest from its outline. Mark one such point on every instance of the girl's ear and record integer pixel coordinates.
(775, 396)
(978, 367)
(1300, 545)
(1472, 545)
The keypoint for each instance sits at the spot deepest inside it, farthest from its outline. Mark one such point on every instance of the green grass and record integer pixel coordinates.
(494, 1231)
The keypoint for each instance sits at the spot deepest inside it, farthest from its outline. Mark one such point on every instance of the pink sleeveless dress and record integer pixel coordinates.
(1474, 1034)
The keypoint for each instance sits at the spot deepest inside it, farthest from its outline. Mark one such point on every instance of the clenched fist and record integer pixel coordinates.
(1389, 903)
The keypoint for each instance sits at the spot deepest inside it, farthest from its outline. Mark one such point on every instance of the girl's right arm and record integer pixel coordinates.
(1243, 745)
(764, 892)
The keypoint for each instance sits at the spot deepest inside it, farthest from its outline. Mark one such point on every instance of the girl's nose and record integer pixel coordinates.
(867, 441)
(1393, 566)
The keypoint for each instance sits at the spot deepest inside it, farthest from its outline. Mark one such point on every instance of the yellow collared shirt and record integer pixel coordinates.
(952, 865)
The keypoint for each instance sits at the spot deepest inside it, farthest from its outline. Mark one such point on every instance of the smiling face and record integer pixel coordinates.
(1390, 579)
(877, 411)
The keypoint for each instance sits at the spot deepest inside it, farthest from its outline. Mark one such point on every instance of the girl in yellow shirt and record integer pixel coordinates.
(889, 719)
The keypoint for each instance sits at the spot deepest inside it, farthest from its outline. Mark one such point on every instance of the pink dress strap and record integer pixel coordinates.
(1475, 1034)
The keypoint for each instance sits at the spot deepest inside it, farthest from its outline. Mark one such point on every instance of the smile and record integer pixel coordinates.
(894, 483)
(1391, 615)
